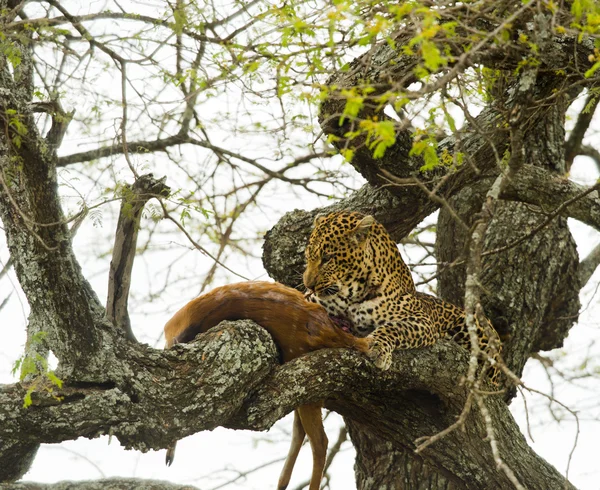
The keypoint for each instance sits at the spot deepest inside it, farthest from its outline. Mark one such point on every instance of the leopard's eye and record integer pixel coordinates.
(326, 258)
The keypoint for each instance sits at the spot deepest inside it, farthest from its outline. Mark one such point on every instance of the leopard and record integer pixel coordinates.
(356, 272)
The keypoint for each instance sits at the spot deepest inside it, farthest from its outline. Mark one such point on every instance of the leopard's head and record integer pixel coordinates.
(338, 257)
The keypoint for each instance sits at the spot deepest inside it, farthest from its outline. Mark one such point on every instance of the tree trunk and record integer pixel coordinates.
(530, 290)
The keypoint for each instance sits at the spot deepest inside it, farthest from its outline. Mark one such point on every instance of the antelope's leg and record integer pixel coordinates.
(170, 456)
(310, 415)
(297, 440)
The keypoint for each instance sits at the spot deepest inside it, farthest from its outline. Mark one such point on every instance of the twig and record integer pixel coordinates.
(430, 194)
(4, 302)
(545, 223)
(423, 442)
(575, 416)
(6, 267)
(588, 266)
(593, 153)
(520, 388)
(489, 426)
(196, 244)
(124, 118)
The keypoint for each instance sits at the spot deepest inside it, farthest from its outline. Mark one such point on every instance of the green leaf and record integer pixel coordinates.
(347, 153)
(432, 56)
(380, 135)
(427, 149)
(581, 7)
(592, 70)
(354, 103)
(27, 399)
(55, 380)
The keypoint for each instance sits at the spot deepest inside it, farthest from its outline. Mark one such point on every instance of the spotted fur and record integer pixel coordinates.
(355, 270)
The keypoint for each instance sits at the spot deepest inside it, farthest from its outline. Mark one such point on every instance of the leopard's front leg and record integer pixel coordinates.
(409, 330)
(380, 348)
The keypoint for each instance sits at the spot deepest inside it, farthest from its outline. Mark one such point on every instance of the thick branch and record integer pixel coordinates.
(400, 213)
(233, 381)
(104, 484)
(553, 193)
(591, 152)
(39, 240)
(203, 383)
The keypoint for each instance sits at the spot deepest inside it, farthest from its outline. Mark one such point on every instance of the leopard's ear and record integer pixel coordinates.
(319, 219)
(363, 227)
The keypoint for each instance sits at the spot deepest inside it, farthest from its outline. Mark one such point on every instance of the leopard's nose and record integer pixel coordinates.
(309, 279)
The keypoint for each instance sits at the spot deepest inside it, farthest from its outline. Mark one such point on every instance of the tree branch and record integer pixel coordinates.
(588, 266)
(39, 242)
(102, 484)
(242, 387)
(551, 192)
(593, 153)
(119, 276)
(138, 397)
(145, 146)
(400, 213)
(573, 144)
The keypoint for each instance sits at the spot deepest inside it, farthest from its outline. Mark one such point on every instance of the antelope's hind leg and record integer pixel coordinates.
(297, 440)
(312, 421)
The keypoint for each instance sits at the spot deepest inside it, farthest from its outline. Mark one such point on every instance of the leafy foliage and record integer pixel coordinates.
(34, 373)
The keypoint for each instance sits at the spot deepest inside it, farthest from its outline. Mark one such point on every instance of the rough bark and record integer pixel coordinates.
(136, 401)
(104, 484)
(532, 289)
(39, 240)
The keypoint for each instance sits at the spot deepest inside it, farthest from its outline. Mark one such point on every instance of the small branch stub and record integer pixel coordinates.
(119, 281)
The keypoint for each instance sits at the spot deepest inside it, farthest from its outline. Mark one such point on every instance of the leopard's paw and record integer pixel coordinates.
(381, 357)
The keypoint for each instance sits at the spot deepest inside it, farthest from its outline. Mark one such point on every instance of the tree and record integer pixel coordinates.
(457, 106)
